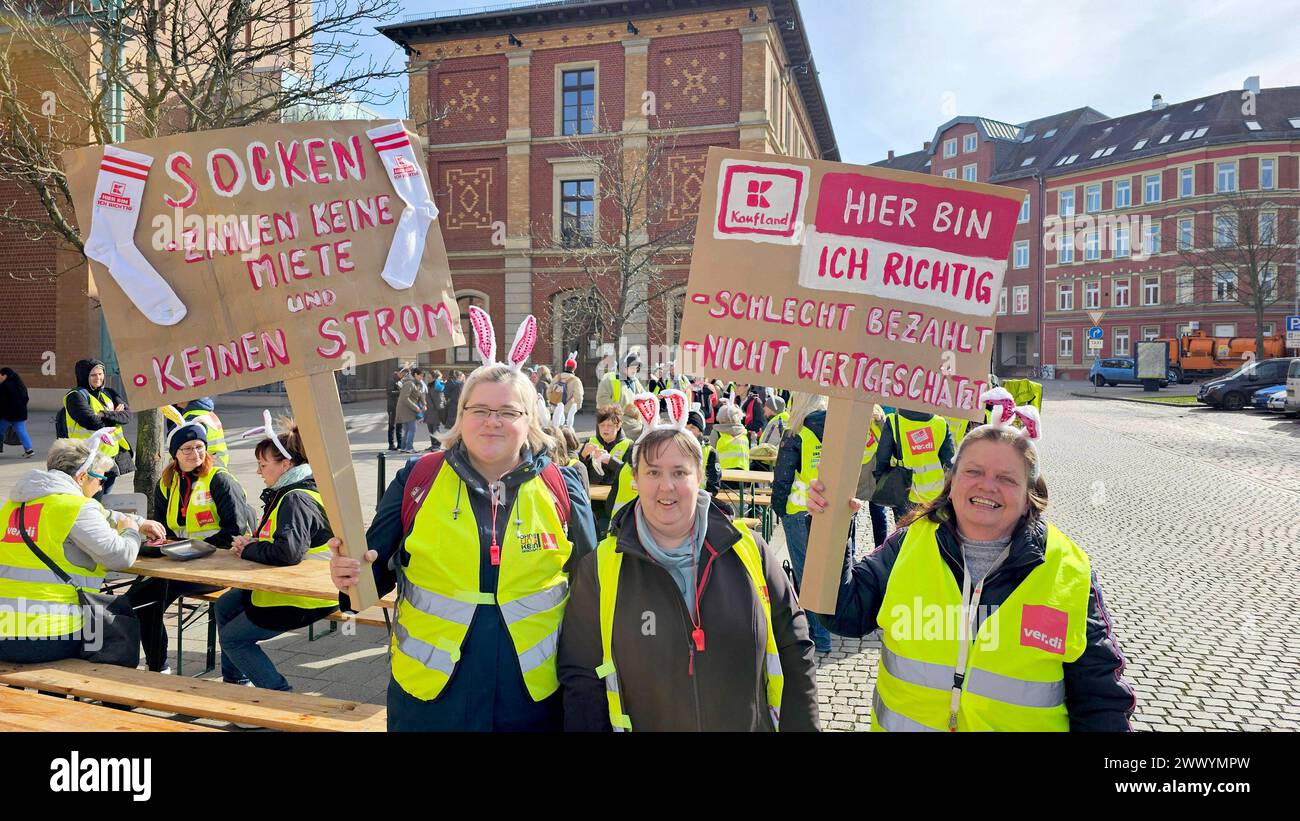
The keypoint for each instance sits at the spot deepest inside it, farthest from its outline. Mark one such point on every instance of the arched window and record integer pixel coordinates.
(464, 355)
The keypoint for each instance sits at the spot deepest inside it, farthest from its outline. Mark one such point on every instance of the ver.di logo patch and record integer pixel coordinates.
(1044, 627)
(761, 202)
(32, 516)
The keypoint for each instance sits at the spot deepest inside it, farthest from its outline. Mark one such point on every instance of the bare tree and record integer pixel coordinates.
(91, 73)
(1244, 251)
(616, 240)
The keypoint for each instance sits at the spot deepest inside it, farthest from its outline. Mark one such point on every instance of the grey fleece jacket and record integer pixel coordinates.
(95, 537)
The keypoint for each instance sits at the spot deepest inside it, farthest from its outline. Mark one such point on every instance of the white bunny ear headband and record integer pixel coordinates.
(647, 407)
(485, 339)
(558, 418)
(202, 421)
(267, 429)
(97, 440)
(1005, 411)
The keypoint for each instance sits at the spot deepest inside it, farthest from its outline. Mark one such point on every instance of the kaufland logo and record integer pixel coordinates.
(403, 167)
(760, 202)
(115, 197)
(119, 189)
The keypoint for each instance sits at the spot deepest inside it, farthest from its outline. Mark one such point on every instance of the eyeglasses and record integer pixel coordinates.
(479, 413)
(191, 450)
(95, 475)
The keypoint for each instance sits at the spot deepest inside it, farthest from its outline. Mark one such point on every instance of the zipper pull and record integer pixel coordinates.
(494, 554)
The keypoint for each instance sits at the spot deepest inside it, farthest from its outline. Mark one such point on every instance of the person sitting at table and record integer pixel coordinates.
(731, 441)
(603, 455)
(293, 529)
(712, 471)
(56, 508)
(202, 501)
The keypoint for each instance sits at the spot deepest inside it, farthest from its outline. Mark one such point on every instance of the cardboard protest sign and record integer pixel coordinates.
(864, 284)
(277, 242)
(235, 258)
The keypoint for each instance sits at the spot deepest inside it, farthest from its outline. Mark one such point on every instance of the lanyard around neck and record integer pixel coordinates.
(970, 603)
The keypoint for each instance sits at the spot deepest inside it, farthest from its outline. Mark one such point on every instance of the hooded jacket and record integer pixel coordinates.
(661, 691)
(1096, 696)
(13, 397)
(567, 389)
(486, 692)
(79, 405)
(94, 538)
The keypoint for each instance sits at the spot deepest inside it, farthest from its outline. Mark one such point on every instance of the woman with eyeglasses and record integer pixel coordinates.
(481, 561)
(199, 500)
(56, 509)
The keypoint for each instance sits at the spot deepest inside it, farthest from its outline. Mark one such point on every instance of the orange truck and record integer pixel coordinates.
(1199, 354)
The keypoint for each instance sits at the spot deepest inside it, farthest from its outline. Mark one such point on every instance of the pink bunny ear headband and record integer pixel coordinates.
(485, 339)
(1005, 411)
(647, 407)
(97, 440)
(268, 430)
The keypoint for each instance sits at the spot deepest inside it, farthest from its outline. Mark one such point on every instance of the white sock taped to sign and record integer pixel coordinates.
(397, 155)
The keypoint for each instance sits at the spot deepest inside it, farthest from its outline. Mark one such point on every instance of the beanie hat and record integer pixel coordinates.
(186, 433)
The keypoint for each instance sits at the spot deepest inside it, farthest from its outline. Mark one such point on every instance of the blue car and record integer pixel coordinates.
(1259, 399)
(1119, 371)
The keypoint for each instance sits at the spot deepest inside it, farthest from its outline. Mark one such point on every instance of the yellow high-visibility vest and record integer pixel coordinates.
(76, 431)
(733, 451)
(810, 457)
(919, 443)
(216, 436)
(201, 516)
(37, 603)
(317, 552)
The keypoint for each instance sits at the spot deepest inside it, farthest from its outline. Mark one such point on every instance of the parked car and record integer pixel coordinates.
(1293, 387)
(1260, 398)
(1233, 391)
(1119, 371)
(1277, 402)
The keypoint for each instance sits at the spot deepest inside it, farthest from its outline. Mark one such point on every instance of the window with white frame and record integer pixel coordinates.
(1002, 302)
(1151, 188)
(1024, 210)
(1267, 180)
(1065, 296)
(1119, 294)
(1150, 332)
(1185, 234)
(1066, 200)
(1123, 193)
(1121, 238)
(1020, 255)
(1225, 286)
(1150, 290)
(1065, 344)
(950, 173)
(969, 173)
(1092, 199)
(1186, 182)
(950, 148)
(1225, 329)
(1267, 227)
(1225, 230)
(1152, 240)
(1091, 246)
(1120, 343)
(1186, 288)
(1269, 329)
(1268, 282)
(1066, 252)
(1225, 178)
(1020, 299)
(1091, 295)
(969, 143)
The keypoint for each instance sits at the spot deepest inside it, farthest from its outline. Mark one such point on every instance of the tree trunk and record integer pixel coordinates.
(148, 455)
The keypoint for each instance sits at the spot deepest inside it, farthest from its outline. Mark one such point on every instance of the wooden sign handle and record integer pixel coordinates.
(319, 414)
(848, 422)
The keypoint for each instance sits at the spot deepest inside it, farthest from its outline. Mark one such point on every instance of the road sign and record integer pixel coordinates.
(1293, 331)
(1096, 316)
(1095, 344)
(1096, 335)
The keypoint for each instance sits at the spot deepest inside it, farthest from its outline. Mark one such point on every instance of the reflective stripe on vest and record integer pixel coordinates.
(1014, 675)
(441, 589)
(36, 603)
(919, 442)
(216, 436)
(733, 451)
(76, 431)
(609, 563)
(261, 598)
(201, 517)
(810, 456)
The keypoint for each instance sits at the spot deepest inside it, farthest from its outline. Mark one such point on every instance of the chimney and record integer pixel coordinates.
(1251, 84)
(1157, 103)
(926, 147)
(891, 153)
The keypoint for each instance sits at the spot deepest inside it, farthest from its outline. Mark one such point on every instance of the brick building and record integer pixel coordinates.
(521, 87)
(1131, 189)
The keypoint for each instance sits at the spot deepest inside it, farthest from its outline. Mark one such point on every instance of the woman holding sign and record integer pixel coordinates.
(1029, 646)
(683, 620)
(479, 539)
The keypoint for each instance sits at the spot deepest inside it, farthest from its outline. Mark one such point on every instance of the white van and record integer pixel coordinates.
(1293, 387)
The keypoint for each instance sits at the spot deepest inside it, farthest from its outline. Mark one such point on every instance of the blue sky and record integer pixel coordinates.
(893, 71)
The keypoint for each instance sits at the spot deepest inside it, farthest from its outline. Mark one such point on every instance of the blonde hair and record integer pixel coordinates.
(539, 441)
(802, 404)
(940, 509)
(66, 455)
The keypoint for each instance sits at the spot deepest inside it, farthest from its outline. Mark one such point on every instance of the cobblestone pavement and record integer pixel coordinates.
(1191, 517)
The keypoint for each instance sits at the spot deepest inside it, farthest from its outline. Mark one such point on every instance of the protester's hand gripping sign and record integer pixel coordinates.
(235, 258)
(865, 284)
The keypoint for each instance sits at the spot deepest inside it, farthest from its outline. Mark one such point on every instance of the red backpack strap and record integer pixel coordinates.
(418, 482)
(560, 490)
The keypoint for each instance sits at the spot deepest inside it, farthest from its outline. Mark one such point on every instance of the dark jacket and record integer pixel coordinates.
(755, 414)
(394, 391)
(1096, 696)
(712, 473)
(725, 690)
(790, 456)
(889, 448)
(79, 405)
(299, 525)
(234, 514)
(486, 691)
(13, 397)
(610, 469)
(452, 394)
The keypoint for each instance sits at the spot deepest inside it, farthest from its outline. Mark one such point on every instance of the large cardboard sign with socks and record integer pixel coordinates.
(230, 259)
(234, 258)
(864, 284)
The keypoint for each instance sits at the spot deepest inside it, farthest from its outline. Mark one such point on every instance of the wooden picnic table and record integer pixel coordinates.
(20, 710)
(756, 477)
(224, 569)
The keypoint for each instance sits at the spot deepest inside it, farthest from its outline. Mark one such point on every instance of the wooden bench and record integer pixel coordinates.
(33, 712)
(193, 697)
